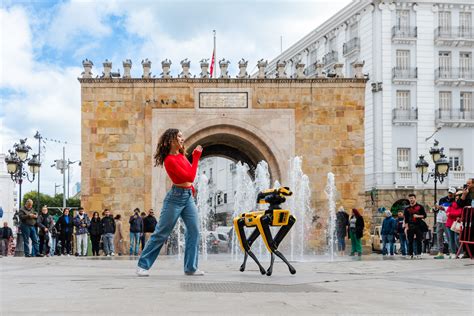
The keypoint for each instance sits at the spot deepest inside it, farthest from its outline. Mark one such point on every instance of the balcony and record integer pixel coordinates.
(404, 117)
(330, 58)
(404, 35)
(455, 118)
(404, 75)
(351, 46)
(454, 76)
(454, 36)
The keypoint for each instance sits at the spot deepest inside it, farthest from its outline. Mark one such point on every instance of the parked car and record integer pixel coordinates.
(217, 242)
(376, 240)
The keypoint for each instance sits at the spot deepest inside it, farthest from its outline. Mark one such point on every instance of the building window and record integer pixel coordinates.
(466, 101)
(445, 100)
(232, 167)
(465, 64)
(444, 21)
(403, 100)
(353, 31)
(225, 198)
(465, 23)
(403, 59)
(403, 159)
(403, 19)
(444, 59)
(455, 160)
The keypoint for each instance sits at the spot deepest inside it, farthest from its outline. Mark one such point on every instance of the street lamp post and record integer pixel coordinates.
(15, 166)
(439, 172)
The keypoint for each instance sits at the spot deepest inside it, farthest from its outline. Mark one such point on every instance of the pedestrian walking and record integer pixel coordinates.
(356, 232)
(179, 202)
(6, 236)
(82, 223)
(389, 227)
(342, 225)
(108, 231)
(119, 235)
(45, 224)
(65, 229)
(28, 218)
(414, 215)
(136, 229)
(400, 234)
(95, 231)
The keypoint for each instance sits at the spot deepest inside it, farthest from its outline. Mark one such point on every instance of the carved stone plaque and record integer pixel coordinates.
(215, 100)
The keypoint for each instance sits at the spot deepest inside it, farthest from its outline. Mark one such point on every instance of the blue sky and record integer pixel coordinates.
(44, 42)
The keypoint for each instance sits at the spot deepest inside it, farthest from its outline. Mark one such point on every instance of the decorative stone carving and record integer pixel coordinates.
(262, 65)
(281, 65)
(224, 64)
(338, 70)
(127, 66)
(319, 70)
(204, 63)
(146, 64)
(87, 64)
(185, 64)
(165, 66)
(300, 70)
(107, 69)
(358, 66)
(243, 69)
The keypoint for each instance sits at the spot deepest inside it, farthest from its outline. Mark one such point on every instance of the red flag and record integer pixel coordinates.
(212, 62)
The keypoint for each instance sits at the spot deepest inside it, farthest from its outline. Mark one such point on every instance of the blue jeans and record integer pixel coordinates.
(134, 242)
(178, 202)
(341, 243)
(453, 240)
(403, 243)
(108, 240)
(387, 239)
(30, 232)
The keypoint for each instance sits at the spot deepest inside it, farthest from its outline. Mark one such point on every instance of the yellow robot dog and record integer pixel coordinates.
(262, 220)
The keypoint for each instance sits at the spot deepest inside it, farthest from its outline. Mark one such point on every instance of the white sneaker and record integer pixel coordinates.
(195, 273)
(112, 254)
(142, 272)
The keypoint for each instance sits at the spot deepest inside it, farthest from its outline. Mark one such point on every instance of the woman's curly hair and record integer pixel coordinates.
(164, 145)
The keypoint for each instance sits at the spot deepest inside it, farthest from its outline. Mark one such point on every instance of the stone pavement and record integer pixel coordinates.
(108, 286)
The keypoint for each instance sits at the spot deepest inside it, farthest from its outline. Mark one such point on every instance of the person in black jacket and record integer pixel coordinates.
(342, 222)
(466, 200)
(6, 235)
(45, 224)
(356, 231)
(108, 231)
(414, 215)
(95, 231)
(65, 229)
(136, 230)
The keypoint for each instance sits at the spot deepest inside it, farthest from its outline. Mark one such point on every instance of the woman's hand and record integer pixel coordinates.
(198, 148)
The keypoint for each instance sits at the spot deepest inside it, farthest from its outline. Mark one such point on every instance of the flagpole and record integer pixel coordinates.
(215, 59)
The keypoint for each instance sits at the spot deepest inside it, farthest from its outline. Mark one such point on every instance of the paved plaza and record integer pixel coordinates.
(105, 286)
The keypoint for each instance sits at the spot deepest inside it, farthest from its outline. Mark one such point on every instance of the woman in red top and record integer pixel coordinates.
(453, 213)
(179, 202)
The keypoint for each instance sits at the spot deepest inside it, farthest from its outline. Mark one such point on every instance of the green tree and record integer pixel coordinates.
(45, 199)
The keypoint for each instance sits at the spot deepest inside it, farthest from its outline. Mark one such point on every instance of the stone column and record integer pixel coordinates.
(185, 64)
(358, 66)
(107, 69)
(204, 66)
(224, 64)
(300, 71)
(87, 64)
(165, 66)
(127, 66)
(281, 65)
(146, 64)
(338, 70)
(262, 65)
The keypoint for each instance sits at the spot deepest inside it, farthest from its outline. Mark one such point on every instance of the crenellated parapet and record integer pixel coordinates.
(297, 70)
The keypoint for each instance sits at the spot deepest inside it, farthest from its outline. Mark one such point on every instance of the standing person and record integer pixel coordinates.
(45, 224)
(142, 234)
(65, 228)
(179, 201)
(389, 227)
(136, 229)
(118, 237)
(28, 218)
(356, 231)
(54, 239)
(95, 231)
(6, 236)
(401, 233)
(414, 215)
(82, 222)
(342, 224)
(453, 213)
(149, 224)
(108, 230)
(467, 199)
(441, 219)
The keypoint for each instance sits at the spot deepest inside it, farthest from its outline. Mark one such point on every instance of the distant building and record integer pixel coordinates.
(8, 194)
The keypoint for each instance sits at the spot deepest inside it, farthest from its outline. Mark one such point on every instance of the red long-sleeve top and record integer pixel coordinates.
(179, 168)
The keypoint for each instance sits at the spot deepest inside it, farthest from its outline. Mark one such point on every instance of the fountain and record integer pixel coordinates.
(202, 188)
(331, 230)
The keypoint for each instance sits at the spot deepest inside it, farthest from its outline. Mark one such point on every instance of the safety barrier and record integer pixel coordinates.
(466, 237)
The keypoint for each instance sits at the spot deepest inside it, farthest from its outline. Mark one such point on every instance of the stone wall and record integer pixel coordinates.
(122, 118)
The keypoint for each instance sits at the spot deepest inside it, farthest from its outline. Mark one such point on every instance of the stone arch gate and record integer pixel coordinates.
(321, 120)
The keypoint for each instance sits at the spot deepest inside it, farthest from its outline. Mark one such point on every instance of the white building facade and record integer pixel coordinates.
(8, 197)
(419, 60)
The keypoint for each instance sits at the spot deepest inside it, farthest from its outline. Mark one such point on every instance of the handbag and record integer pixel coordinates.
(456, 227)
(423, 226)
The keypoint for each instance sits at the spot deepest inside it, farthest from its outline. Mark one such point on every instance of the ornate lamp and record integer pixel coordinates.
(422, 167)
(34, 164)
(22, 150)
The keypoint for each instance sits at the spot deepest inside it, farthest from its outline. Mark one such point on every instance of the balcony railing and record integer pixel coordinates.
(404, 115)
(351, 46)
(330, 58)
(455, 115)
(399, 32)
(404, 73)
(454, 33)
(454, 74)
